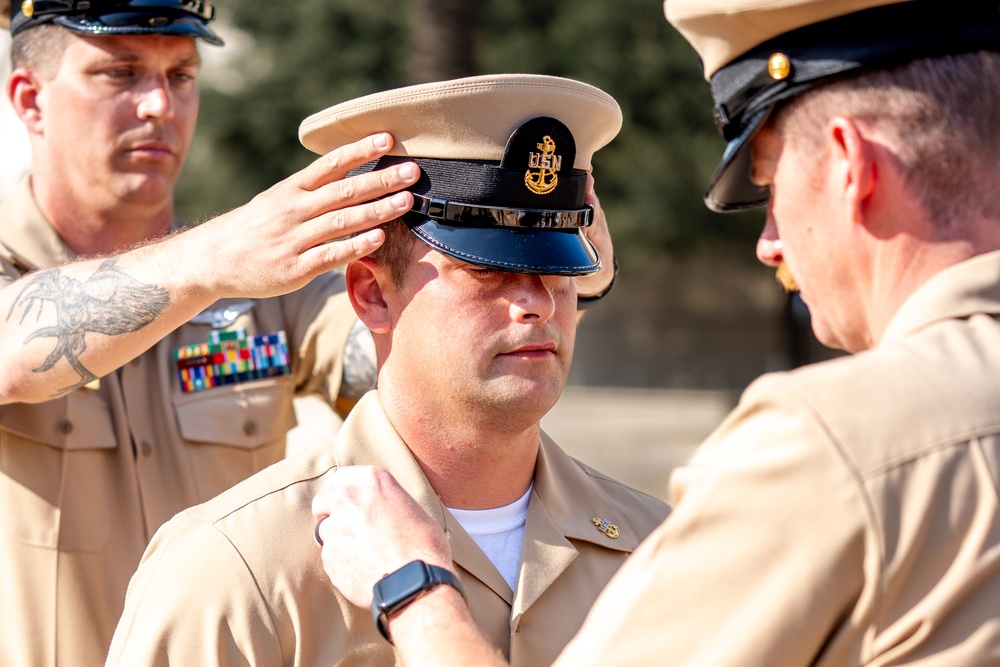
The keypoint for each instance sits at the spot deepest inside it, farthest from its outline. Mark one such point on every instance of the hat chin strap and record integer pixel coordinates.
(477, 215)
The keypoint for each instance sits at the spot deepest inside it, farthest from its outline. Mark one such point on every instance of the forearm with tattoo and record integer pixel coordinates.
(109, 302)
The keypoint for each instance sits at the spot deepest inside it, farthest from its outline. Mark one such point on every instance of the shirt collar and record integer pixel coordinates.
(961, 290)
(28, 233)
(574, 500)
(368, 438)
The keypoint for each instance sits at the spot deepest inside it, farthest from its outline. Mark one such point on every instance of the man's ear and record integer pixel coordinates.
(24, 90)
(857, 164)
(367, 283)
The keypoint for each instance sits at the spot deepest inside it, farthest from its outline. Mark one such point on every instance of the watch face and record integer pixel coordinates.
(402, 585)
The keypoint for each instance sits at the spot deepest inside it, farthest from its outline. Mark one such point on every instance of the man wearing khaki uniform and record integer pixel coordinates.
(845, 513)
(86, 478)
(108, 427)
(479, 315)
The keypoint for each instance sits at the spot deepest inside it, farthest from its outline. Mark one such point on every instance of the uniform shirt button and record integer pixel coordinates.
(65, 426)
(146, 448)
(249, 427)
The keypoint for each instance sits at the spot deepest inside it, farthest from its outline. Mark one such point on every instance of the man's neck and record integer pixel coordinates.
(97, 228)
(470, 462)
(475, 474)
(896, 279)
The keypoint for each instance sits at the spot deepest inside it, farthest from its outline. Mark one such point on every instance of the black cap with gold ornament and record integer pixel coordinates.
(184, 18)
(757, 54)
(503, 160)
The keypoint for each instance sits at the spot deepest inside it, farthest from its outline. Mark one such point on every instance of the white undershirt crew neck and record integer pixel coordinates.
(499, 532)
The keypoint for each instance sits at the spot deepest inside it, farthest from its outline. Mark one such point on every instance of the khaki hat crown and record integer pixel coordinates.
(468, 119)
(503, 163)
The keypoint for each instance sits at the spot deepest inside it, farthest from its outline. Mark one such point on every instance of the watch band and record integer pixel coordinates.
(585, 302)
(397, 589)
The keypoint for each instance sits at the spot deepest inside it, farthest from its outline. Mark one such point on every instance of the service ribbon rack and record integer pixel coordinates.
(230, 357)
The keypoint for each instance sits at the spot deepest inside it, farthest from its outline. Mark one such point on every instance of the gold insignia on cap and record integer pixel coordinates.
(606, 527)
(28, 8)
(779, 66)
(547, 163)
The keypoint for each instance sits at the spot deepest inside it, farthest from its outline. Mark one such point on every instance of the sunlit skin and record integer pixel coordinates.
(499, 340)
(770, 247)
(110, 130)
(470, 359)
(806, 236)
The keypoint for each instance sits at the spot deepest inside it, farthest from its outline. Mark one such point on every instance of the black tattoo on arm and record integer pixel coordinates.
(359, 363)
(109, 302)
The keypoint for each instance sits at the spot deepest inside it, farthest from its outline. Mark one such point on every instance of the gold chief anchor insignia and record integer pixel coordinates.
(547, 163)
(606, 527)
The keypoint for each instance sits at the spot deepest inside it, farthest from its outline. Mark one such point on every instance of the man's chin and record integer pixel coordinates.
(146, 187)
(530, 395)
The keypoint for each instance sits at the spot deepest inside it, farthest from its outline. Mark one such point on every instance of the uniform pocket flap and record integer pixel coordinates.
(247, 415)
(79, 420)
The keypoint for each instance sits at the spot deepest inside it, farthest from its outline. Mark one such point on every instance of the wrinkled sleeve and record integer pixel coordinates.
(193, 601)
(761, 561)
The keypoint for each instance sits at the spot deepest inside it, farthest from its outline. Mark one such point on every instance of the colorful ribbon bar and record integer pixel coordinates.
(230, 357)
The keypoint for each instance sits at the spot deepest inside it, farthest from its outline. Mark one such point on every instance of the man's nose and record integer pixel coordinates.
(533, 298)
(155, 100)
(769, 248)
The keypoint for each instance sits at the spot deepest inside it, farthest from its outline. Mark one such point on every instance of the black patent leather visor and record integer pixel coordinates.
(199, 8)
(551, 251)
(731, 187)
(140, 23)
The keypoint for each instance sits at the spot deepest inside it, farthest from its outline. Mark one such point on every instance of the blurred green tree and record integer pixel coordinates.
(444, 34)
(300, 57)
(310, 54)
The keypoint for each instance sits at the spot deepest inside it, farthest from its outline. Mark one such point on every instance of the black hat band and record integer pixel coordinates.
(482, 183)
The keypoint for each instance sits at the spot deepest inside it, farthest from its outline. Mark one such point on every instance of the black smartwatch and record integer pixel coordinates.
(398, 589)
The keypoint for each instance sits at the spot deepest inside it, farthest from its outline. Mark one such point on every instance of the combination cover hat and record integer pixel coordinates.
(503, 160)
(757, 54)
(184, 18)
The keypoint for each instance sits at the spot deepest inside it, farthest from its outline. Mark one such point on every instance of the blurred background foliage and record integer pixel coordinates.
(296, 58)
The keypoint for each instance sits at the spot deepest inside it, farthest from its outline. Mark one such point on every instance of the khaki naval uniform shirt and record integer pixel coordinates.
(844, 514)
(239, 580)
(86, 479)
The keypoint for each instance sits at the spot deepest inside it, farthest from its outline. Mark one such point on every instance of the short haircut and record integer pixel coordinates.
(939, 117)
(394, 253)
(40, 49)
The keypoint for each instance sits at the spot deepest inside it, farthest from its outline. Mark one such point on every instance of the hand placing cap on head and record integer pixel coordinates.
(184, 18)
(759, 53)
(503, 159)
